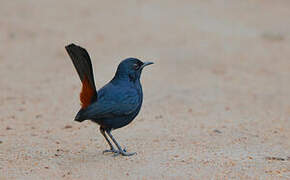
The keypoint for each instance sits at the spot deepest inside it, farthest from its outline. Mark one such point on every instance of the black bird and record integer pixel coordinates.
(117, 103)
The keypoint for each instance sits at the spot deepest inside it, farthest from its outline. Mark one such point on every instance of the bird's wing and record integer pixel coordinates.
(110, 109)
(117, 102)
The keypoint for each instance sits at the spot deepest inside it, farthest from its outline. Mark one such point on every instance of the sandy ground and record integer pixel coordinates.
(217, 100)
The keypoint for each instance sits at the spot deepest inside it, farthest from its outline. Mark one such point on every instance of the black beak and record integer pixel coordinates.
(146, 64)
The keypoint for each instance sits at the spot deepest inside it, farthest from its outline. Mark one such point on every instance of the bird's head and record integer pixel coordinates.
(131, 68)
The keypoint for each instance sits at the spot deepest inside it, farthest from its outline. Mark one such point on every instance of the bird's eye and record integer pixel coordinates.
(136, 66)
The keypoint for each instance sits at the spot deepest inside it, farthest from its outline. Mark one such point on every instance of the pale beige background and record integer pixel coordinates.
(217, 100)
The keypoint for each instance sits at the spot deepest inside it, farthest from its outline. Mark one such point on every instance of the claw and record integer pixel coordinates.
(116, 154)
(123, 153)
(128, 154)
(110, 151)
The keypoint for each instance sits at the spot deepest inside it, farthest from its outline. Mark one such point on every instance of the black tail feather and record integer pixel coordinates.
(83, 65)
(82, 62)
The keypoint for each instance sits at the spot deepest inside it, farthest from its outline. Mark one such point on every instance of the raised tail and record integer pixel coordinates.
(83, 65)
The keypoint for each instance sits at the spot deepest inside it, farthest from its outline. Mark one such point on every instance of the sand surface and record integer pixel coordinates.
(216, 102)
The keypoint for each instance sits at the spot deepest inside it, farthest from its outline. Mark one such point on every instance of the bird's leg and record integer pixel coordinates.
(112, 149)
(121, 151)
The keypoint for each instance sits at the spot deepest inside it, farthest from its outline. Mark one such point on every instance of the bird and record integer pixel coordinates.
(117, 103)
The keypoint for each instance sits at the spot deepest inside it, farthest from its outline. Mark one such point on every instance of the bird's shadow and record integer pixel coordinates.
(87, 156)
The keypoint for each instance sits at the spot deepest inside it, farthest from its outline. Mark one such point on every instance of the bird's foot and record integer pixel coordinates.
(123, 153)
(110, 151)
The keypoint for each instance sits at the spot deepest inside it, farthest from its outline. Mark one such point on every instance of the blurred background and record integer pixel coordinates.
(216, 101)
